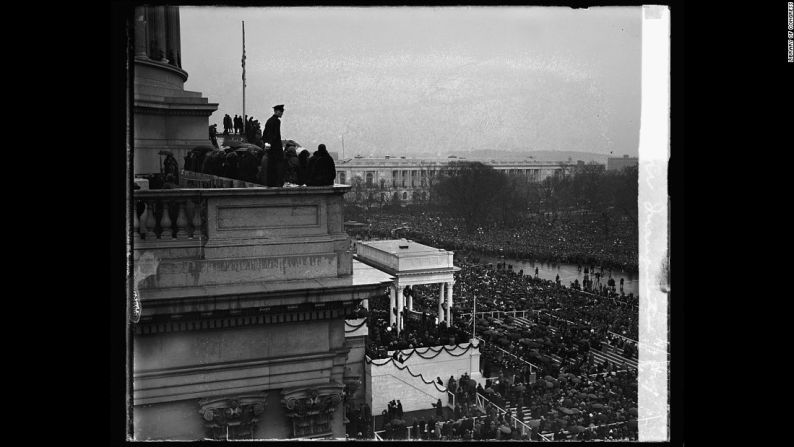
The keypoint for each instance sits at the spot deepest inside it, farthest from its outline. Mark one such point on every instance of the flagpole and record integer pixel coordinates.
(474, 318)
(244, 118)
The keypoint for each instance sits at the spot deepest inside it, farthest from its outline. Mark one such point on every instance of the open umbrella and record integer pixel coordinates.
(520, 388)
(247, 147)
(549, 378)
(233, 143)
(533, 423)
(549, 384)
(567, 403)
(633, 412)
(288, 143)
(489, 390)
(203, 149)
(503, 341)
(597, 405)
(505, 429)
(566, 410)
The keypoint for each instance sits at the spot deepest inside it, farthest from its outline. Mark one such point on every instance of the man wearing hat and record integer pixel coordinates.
(272, 136)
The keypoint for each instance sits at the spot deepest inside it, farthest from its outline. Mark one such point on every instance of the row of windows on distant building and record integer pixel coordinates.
(412, 179)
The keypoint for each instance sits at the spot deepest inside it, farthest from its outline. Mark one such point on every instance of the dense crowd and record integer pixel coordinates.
(418, 331)
(575, 239)
(566, 392)
(465, 422)
(502, 288)
(360, 425)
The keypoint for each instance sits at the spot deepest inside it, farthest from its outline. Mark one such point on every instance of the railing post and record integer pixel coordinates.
(151, 220)
(181, 220)
(165, 221)
(196, 221)
(144, 219)
(135, 224)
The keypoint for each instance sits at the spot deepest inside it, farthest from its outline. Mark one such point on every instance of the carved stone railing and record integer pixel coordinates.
(250, 234)
(169, 215)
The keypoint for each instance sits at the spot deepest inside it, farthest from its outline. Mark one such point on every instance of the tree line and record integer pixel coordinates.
(480, 194)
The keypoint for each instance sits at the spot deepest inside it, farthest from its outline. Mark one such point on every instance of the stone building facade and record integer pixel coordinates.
(410, 180)
(238, 323)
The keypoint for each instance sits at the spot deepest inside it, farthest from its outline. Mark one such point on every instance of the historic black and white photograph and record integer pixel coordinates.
(398, 223)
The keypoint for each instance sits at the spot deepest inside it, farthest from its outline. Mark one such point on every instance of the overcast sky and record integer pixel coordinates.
(424, 81)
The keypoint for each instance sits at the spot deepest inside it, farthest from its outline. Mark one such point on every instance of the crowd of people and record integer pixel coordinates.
(360, 421)
(234, 125)
(571, 409)
(419, 330)
(263, 158)
(574, 239)
(543, 367)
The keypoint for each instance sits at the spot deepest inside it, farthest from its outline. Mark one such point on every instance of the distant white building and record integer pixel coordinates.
(411, 179)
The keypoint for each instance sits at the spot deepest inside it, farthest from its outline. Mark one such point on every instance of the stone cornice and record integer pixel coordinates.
(161, 65)
(269, 294)
(188, 110)
(398, 274)
(238, 192)
(197, 321)
(237, 366)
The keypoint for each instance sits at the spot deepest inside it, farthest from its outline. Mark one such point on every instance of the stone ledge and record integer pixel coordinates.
(145, 61)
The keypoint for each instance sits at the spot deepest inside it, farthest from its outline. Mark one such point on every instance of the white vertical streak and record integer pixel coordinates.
(653, 400)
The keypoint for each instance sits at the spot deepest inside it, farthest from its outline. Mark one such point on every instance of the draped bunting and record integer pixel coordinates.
(440, 388)
(355, 328)
(436, 352)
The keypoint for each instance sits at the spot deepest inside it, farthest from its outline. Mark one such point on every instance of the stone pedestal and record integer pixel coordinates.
(166, 117)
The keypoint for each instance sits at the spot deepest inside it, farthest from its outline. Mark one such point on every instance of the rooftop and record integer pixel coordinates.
(402, 246)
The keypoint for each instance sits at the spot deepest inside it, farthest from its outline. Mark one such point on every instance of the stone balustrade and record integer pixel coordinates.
(168, 215)
(214, 236)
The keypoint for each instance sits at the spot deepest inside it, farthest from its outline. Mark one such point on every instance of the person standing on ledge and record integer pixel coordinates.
(272, 136)
(213, 134)
(322, 169)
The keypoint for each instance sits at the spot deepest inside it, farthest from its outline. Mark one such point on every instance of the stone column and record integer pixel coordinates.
(400, 306)
(440, 302)
(449, 303)
(159, 34)
(392, 305)
(411, 301)
(140, 32)
(172, 47)
(151, 38)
